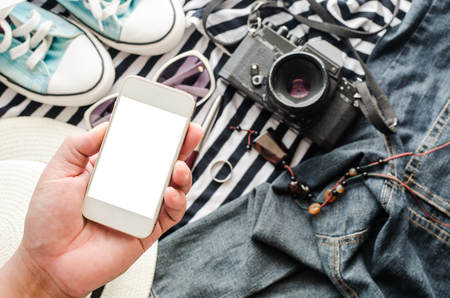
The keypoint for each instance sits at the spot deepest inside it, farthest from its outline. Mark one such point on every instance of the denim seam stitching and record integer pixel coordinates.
(441, 114)
(339, 244)
(393, 153)
(383, 195)
(428, 200)
(428, 191)
(425, 139)
(395, 175)
(338, 275)
(432, 142)
(431, 223)
(428, 134)
(391, 196)
(335, 271)
(420, 226)
(360, 234)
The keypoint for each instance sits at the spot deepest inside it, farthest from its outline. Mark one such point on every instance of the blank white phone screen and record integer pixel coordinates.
(136, 157)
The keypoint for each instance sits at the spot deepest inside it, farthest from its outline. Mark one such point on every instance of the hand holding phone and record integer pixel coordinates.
(140, 148)
(62, 253)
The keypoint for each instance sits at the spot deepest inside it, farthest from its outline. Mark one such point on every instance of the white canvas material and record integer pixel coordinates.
(142, 27)
(79, 80)
(49, 59)
(27, 145)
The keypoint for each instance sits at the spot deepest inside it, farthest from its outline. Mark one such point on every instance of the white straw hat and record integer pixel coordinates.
(26, 146)
(18, 179)
(32, 138)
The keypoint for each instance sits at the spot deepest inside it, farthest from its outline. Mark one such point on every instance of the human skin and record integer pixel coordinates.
(62, 254)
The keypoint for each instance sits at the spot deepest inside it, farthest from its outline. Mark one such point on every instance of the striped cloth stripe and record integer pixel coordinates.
(228, 23)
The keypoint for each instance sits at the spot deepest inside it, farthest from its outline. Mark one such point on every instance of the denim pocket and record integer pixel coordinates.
(431, 246)
(346, 261)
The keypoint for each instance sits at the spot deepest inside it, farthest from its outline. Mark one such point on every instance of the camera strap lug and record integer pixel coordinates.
(254, 24)
(254, 20)
(256, 6)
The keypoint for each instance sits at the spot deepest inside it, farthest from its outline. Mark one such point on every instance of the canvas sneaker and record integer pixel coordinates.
(142, 27)
(49, 59)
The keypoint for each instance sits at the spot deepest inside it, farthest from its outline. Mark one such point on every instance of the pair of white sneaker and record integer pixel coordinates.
(52, 60)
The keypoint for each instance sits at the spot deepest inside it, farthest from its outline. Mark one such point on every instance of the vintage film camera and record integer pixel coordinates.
(301, 84)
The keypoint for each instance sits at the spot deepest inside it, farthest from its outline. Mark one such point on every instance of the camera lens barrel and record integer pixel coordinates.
(298, 83)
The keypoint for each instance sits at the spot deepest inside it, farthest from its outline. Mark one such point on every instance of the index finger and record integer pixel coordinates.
(193, 137)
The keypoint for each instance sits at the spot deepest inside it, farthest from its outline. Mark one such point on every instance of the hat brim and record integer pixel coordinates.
(18, 178)
(32, 138)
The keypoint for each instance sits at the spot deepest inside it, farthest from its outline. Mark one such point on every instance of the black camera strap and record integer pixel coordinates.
(369, 106)
(373, 110)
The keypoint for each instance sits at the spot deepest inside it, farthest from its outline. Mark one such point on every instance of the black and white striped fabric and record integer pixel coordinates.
(228, 23)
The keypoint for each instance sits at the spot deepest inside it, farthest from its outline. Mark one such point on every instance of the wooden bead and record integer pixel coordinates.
(314, 208)
(353, 172)
(304, 190)
(294, 186)
(327, 193)
(340, 188)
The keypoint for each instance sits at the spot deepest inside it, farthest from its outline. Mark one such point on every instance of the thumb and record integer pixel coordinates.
(73, 155)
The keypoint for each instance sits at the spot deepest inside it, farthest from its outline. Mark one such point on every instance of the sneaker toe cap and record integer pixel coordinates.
(80, 69)
(151, 21)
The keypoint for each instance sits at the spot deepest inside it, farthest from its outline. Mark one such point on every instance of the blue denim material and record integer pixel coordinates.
(374, 240)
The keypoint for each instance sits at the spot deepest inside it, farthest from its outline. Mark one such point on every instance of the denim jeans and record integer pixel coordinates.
(374, 240)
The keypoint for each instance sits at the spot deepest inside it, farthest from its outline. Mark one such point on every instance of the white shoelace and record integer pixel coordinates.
(38, 39)
(102, 9)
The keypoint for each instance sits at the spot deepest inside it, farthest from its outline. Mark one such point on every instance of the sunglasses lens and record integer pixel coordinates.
(188, 74)
(102, 113)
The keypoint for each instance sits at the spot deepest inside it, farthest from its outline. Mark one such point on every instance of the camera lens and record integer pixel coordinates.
(298, 83)
(298, 86)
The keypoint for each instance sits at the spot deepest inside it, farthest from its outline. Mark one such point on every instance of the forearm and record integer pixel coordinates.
(22, 277)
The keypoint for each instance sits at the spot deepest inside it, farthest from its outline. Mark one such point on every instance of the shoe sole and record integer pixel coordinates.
(162, 46)
(79, 99)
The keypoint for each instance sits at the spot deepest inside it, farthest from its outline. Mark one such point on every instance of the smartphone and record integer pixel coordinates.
(134, 166)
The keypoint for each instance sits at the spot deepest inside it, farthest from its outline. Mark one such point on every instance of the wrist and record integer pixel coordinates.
(21, 276)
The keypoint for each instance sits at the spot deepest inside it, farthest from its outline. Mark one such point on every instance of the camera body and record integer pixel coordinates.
(301, 84)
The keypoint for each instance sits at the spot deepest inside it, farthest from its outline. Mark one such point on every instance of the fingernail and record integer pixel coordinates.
(188, 171)
(176, 195)
(100, 126)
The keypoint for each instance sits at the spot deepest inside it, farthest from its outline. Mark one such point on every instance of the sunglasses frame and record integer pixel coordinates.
(205, 62)
(88, 112)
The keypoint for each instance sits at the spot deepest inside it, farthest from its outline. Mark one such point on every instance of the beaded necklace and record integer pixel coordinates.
(301, 190)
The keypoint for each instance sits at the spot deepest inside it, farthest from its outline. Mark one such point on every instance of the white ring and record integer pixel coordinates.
(229, 175)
